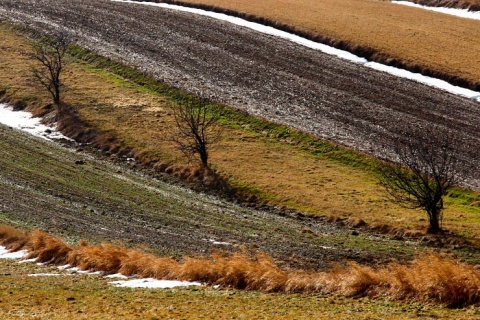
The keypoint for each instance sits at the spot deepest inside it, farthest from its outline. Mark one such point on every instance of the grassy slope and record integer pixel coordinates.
(296, 171)
(121, 205)
(90, 297)
(437, 41)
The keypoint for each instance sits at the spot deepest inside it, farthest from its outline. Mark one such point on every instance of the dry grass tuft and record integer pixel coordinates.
(12, 238)
(102, 257)
(430, 277)
(236, 271)
(46, 248)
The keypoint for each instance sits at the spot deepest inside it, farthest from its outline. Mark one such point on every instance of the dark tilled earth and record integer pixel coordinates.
(71, 193)
(266, 76)
(43, 187)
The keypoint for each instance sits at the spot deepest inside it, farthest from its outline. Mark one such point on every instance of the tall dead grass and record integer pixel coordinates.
(430, 277)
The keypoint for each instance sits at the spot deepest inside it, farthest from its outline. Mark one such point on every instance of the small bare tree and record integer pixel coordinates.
(49, 52)
(197, 129)
(427, 168)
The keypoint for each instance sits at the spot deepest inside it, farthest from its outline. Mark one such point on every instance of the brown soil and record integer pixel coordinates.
(417, 40)
(265, 76)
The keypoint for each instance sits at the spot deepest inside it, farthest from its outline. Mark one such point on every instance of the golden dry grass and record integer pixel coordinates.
(439, 42)
(92, 297)
(285, 175)
(12, 238)
(430, 277)
(46, 248)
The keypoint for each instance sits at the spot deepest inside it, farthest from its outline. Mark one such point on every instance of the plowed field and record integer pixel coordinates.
(265, 76)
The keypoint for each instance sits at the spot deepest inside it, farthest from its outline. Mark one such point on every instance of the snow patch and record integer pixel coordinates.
(28, 260)
(327, 248)
(462, 13)
(6, 254)
(220, 243)
(118, 276)
(24, 121)
(432, 82)
(48, 274)
(66, 266)
(153, 283)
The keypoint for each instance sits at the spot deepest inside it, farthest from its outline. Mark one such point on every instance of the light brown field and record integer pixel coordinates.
(284, 174)
(437, 41)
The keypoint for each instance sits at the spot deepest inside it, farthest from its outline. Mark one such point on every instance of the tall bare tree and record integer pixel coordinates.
(427, 169)
(49, 52)
(197, 129)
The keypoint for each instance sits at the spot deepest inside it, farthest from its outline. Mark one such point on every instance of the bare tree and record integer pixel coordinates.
(428, 168)
(197, 129)
(50, 53)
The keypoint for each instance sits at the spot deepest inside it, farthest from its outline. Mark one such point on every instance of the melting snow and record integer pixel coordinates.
(28, 260)
(218, 242)
(135, 283)
(23, 121)
(117, 276)
(6, 254)
(462, 13)
(66, 266)
(440, 84)
(153, 283)
(48, 274)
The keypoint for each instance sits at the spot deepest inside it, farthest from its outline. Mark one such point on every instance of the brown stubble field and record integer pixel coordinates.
(443, 43)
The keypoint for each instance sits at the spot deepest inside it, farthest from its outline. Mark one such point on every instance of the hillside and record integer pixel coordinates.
(308, 203)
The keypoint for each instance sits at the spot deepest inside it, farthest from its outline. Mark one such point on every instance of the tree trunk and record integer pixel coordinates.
(433, 217)
(202, 150)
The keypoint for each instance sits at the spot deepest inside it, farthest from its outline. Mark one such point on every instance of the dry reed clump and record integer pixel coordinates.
(46, 248)
(12, 238)
(430, 277)
(147, 265)
(236, 271)
(102, 257)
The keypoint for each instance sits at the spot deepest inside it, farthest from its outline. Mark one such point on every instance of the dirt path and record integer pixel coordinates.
(263, 75)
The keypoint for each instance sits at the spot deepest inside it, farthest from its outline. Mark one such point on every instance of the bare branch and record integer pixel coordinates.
(49, 52)
(428, 167)
(197, 129)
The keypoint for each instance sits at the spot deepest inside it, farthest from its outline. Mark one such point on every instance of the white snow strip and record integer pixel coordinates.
(218, 242)
(48, 274)
(6, 254)
(462, 13)
(118, 276)
(136, 283)
(153, 283)
(23, 121)
(64, 267)
(433, 82)
(77, 270)
(28, 260)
